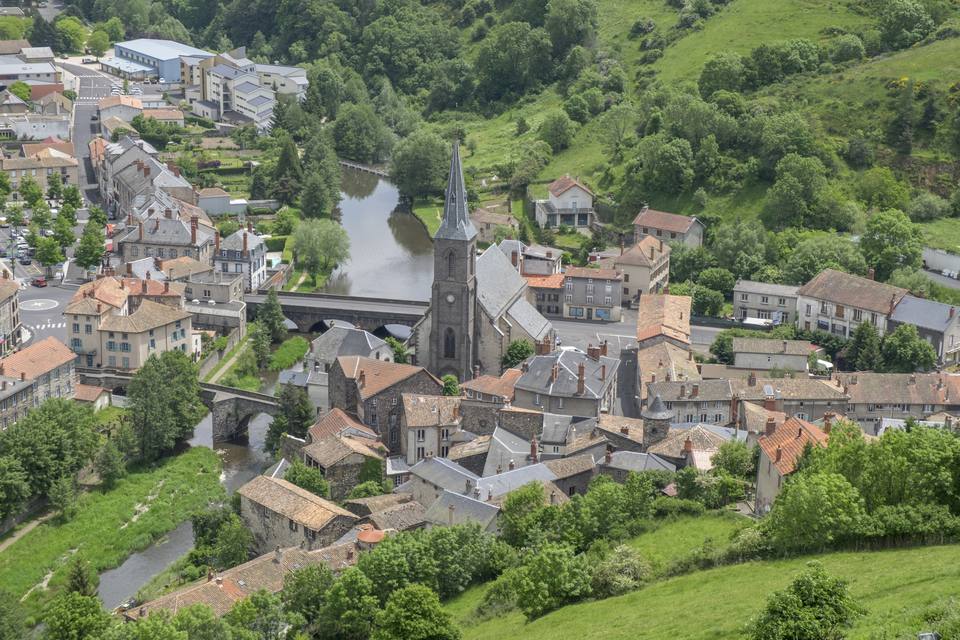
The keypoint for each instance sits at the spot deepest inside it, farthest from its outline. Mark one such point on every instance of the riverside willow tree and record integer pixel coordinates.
(165, 403)
(319, 245)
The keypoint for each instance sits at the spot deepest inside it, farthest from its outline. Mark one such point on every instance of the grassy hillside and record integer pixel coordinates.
(894, 586)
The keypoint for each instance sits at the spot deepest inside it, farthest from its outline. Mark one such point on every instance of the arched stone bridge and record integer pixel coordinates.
(307, 310)
(231, 409)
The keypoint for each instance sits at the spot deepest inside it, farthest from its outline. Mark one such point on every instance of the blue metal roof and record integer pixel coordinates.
(162, 49)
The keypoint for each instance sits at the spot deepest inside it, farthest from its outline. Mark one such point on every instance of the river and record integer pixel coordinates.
(382, 241)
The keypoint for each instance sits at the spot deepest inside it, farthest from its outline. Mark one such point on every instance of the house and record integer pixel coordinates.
(16, 399)
(488, 221)
(166, 237)
(569, 382)
(281, 514)
(97, 397)
(623, 434)
(335, 423)
(11, 327)
(592, 294)
(119, 322)
(10, 103)
(346, 341)
(365, 507)
(345, 461)
(482, 399)
(669, 227)
(533, 259)
(874, 396)
(165, 116)
(40, 166)
(407, 516)
(430, 477)
(36, 54)
(33, 148)
(372, 389)
(268, 572)
(53, 104)
(764, 301)
(546, 292)
(13, 47)
(682, 446)
(427, 425)
(48, 365)
(569, 204)
(662, 317)
(780, 450)
(505, 451)
(936, 322)
(645, 268)
(113, 127)
(451, 509)
(145, 58)
(126, 108)
(618, 465)
(838, 302)
(666, 362)
(14, 69)
(764, 355)
(801, 397)
(572, 475)
(243, 252)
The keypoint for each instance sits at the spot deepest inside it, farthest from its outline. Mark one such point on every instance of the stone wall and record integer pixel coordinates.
(271, 530)
(478, 417)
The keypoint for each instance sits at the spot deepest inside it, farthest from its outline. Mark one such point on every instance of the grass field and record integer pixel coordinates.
(109, 526)
(677, 538)
(429, 212)
(894, 586)
(942, 234)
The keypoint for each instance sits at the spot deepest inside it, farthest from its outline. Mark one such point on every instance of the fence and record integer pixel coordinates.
(215, 357)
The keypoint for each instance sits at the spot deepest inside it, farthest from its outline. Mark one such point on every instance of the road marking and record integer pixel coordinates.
(39, 304)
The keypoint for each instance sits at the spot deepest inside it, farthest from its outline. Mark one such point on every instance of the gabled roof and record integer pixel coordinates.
(552, 281)
(37, 359)
(853, 291)
(700, 438)
(333, 449)
(421, 410)
(401, 517)
(443, 473)
(116, 101)
(334, 422)
(345, 341)
(598, 374)
(637, 462)
(87, 392)
(645, 253)
(505, 447)
(501, 387)
(234, 242)
(595, 274)
(766, 288)
(289, 500)
(928, 314)
(790, 439)
(498, 283)
(665, 361)
(664, 314)
(772, 346)
(561, 185)
(149, 315)
(378, 375)
(672, 222)
(455, 508)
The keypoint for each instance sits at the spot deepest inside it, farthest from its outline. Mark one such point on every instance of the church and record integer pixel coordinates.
(478, 304)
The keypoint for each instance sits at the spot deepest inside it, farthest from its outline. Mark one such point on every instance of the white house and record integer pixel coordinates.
(570, 203)
(242, 252)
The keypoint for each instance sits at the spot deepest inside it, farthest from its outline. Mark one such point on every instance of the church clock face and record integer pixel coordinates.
(450, 298)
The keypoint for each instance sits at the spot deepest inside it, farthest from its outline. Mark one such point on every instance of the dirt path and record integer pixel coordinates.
(24, 530)
(303, 277)
(229, 363)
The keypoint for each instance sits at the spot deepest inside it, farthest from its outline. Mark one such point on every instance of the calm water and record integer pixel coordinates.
(391, 251)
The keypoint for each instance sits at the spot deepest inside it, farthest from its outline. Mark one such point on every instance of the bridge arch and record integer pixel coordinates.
(231, 413)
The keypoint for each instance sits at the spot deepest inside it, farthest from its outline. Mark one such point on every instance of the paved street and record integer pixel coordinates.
(91, 87)
(41, 311)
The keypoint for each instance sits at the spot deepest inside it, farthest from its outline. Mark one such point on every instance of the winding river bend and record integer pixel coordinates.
(391, 257)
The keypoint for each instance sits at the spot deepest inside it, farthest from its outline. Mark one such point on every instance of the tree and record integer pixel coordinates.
(309, 478)
(928, 206)
(451, 386)
(43, 34)
(878, 188)
(624, 570)
(569, 23)
(233, 543)
(663, 164)
(260, 343)
(557, 130)
(414, 613)
(725, 71)
(717, 279)
(98, 42)
(261, 614)
(891, 241)
(734, 458)
(814, 511)
(14, 488)
(419, 164)
(618, 127)
(817, 253)
(350, 609)
(30, 192)
(513, 58)
(165, 404)
(40, 217)
(63, 232)
(359, 134)
(20, 89)
(520, 514)
(517, 351)
(73, 616)
(295, 417)
(288, 173)
(89, 253)
(305, 590)
(316, 200)
(12, 619)
(81, 578)
(97, 217)
(815, 606)
(551, 578)
(792, 200)
(199, 623)
(706, 301)
(54, 186)
(903, 23)
(319, 245)
(63, 497)
(270, 315)
(863, 351)
(401, 355)
(15, 215)
(115, 29)
(366, 489)
(904, 351)
(109, 464)
(72, 33)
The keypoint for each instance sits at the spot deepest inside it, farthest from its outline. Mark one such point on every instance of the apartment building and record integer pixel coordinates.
(10, 325)
(936, 322)
(48, 364)
(764, 301)
(645, 268)
(568, 382)
(839, 302)
(40, 166)
(592, 294)
(242, 252)
(166, 237)
(669, 227)
(875, 396)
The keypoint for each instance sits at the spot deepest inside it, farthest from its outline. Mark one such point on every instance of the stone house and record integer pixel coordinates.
(568, 382)
(336, 422)
(618, 465)
(48, 364)
(936, 322)
(430, 477)
(483, 397)
(592, 294)
(875, 396)
(665, 362)
(345, 461)
(487, 222)
(669, 227)
(242, 252)
(10, 324)
(428, 425)
(764, 355)
(371, 390)
(839, 302)
(573, 474)
(765, 301)
(166, 237)
(346, 341)
(663, 317)
(281, 514)
(780, 449)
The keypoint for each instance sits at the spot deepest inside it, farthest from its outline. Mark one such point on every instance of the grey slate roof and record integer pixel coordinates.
(504, 447)
(443, 473)
(928, 314)
(503, 483)
(225, 71)
(465, 510)
(555, 428)
(343, 341)
(766, 288)
(456, 223)
(526, 316)
(234, 242)
(167, 231)
(633, 461)
(296, 378)
(537, 378)
(498, 283)
(259, 100)
(657, 410)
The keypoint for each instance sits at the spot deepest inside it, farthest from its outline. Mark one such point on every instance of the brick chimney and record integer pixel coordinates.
(653, 377)
(554, 372)
(534, 450)
(683, 390)
(121, 279)
(603, 348)
(735, 409)
(770, 403)
(893, 303)
(779, 454)
(695, 390)
(771, 427)
(581, 382)
(593, 352)
(129, 272)
(752, 379)
(511, 465)
(603, 372)
(168, 214)
(608, 457)
(194, 220)
(828, 422)
(166, 286)
(141, 231)
(513, 258)
(23, 374)
(216, 241)
(129, 219)
(361, 379)
(651, 253)
(244, 253)
(688, 445)
(156, 224)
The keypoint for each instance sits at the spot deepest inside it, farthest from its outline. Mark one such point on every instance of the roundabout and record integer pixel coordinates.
(41, 304)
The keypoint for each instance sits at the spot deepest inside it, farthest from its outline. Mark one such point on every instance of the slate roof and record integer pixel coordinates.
(234, 242)
(662, 220)
(852, 291)
(766, 288)
(345, 341)
(772, 346)
(404, 516)
(498, 283)
(465, 509)
(791, 438)
(598, 374)
(443, 473)
(430, 411)
(637, 462)
(289, 500)
(503, 483)
(37, 359)
(167, 231)
(456, 224)
(928, 314)
(378, 375)
(525, 315)
(504, 447)
(570, 466)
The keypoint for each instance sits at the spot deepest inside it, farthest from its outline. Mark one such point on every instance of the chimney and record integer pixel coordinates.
(581, 383)
(771, 427)
(141, 231)
(735, 410)
(193, 229)
(593, 352)
(695, 391)
(168, 214)
(121, 279)
(209, 575)
(277, 555)
(511, 465)
(244, 252)
(362, 379)
(913, 378)
(456, 411)
(166, 286)
(625, 430)
(534, 450)
(953, 312)
(476, 371)
(553, 497)
(683, 390)
(490, 491)
(688, 445)
(469, 486)
(779, 454)
(770, 403)
(146, 171)
(653, 377)
(871, 273)
(893, 303)
(549, 255)
(752, 379)
(661, 246)
(23, 374)
(129, 271)
(827, 422)
(784, 346)
(216, 241)
(603, 372)
(608, 457)
(603, 348)
(554, 372)
(147, 278)
(156, 224)
(249, 226)
(499, 469)
(513, 258)
(450, 510)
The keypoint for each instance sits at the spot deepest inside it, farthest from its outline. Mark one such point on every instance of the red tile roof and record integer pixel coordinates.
(790, 439)
(335, 422)
(87, 392)
(378, 375)
(494, 386)
(664, 314)
(37, 359)
(552, 281)
(561, 185)
(662, 220)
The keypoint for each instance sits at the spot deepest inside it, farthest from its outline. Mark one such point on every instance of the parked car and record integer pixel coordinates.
(4, 224)
(24, 260)
(88, 60)
(39, 281)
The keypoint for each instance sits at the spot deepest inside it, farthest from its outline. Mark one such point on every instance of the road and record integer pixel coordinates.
(41, 311)
(91, 87)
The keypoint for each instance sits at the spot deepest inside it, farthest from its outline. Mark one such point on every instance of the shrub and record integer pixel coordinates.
(664, 506)
(928, 206)
(622, 571)
(289, 353)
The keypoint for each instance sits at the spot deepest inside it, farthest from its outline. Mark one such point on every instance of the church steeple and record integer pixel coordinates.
(456, 223)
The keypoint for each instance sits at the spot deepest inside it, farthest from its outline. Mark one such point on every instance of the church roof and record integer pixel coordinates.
(498, 283)
(456, 223)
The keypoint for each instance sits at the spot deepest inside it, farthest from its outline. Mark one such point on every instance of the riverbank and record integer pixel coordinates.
(111, 525)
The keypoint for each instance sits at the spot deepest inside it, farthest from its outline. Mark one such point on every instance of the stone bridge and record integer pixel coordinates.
(308, 310)
(231, 409)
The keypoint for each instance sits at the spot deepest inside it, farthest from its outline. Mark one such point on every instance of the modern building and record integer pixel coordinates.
(936, 322)
(283, 79)
(13, 69)
(242, 252)
(569, 204)
(645, 268)
(148, 58)
(568, 382)
(592, 294)
(838, 302)
(669, 227)
(764, 301)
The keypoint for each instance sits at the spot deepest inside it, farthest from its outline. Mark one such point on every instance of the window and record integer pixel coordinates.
(626, 277)
(111, 345)
(626, 291)
(839, 311)
(449, 343)
(589, 299)
(88, 329)
(238, 268)
(690, 418)
(607, 300)
(153, 343)
(873, 318)
(718, 418)
(824, 309)
(744, 297)
(445, 434)
(451, 265)
(76, 327)
(569, 285)
(75, 343)
(160, 252)
(125, 346)
(421, 435)
(858, 314)
(536, 399)
(781, 302)
(420, 453)
(112, 361)
(800, 415)
(293, 526)
(808, 310)
(765, 299)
